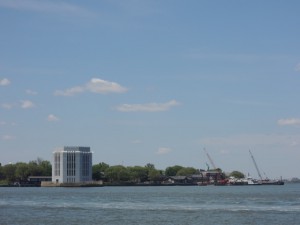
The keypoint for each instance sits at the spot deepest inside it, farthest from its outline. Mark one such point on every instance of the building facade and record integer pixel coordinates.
(72, 164)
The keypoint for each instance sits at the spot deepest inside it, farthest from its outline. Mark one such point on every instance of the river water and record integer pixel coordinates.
(182, 205)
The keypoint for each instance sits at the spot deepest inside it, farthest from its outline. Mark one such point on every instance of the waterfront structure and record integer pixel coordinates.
(72, 164)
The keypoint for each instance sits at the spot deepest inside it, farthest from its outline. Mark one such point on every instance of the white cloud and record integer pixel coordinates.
(26, 104)
(95, 85)
(4, 82)
(7, 137)
(31, 92)
(52, 118)
(149, 107)
(163, 151)
(289, 122)
(70, 92)
(4, 123)
(7, 105)
(58, 7)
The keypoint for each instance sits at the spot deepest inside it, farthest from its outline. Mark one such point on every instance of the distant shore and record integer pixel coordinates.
(95, 184)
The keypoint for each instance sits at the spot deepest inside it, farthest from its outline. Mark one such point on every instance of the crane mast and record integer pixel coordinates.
(259, 174)
(210, 159)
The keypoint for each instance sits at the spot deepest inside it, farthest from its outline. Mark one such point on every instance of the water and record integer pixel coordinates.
(192, 205)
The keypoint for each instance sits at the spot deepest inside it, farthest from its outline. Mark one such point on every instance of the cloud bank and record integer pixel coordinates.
(163, 151)
(52, 118)
(26, 104)
(30, 92)
(149, 107)
(57, 7)
(289, 122)
(95, 85)
(7, 105)
(7, 137)
(4, 82)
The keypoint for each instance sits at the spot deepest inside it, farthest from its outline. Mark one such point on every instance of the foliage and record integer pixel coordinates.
(172, 170)
(99, 171)
(154, 175)
(150, 166)
(138, 173)
(1, 173)
(45, 168)
(20, 170)
(237, 174)
(186, 171)
(117, 173)
(9, 172)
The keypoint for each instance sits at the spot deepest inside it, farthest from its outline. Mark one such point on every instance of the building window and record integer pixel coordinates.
(71, 164)
(57, 164)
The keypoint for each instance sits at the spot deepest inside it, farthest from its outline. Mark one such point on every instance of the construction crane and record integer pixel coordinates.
(207, 166)
(258, 172)
(210, 159)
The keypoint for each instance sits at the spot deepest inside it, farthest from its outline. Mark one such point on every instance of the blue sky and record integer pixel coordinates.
(153, 82)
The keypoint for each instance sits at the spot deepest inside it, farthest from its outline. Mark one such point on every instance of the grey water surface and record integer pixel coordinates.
(276, 205)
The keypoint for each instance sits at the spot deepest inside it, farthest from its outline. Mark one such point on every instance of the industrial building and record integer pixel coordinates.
(72, 164)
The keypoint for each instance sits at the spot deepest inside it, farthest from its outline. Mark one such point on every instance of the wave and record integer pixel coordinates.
(139, 206)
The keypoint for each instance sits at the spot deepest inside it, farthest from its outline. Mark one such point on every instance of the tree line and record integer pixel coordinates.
(139, 174)
(19, 172)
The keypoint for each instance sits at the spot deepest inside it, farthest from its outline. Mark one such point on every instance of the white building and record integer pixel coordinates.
(72, 165)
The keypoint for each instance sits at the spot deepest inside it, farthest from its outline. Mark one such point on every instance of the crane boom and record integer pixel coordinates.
(258, 172)
(210, 159)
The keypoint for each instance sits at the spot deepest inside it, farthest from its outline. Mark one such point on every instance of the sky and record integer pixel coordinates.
(153, 82)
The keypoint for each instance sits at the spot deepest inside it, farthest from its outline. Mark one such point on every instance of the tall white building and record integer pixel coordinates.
(72, 165)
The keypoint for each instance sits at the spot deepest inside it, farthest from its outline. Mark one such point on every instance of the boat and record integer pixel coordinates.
(265, 181)
(272, 182)
(243, 181)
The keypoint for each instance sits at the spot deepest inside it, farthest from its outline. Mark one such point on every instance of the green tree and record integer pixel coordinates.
(117, 173)
(9, 172)
(99, 171)
(150, 166)
(172, 170)
(186, 171)
(34, 169)
(22, 171)
(104, 166)
(45, 168)
(237, 174)
(96, 172)
(154, 175)
(39, 167)
(138, 173)
(1, 173)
